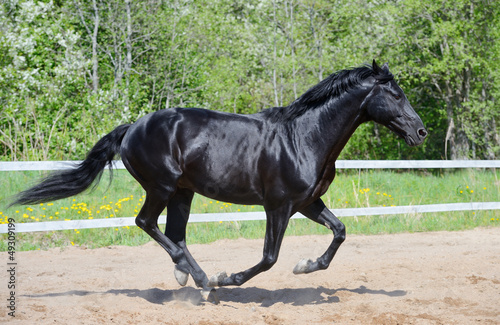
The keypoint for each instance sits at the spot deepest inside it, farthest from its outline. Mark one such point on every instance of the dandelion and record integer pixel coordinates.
(72, 243)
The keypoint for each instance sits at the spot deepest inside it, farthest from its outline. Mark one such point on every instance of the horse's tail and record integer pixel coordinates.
(66, 183)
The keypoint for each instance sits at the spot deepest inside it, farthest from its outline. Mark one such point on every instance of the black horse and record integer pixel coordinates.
(282, 158)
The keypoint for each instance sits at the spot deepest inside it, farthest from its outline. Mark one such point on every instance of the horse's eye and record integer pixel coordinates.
(397, 97)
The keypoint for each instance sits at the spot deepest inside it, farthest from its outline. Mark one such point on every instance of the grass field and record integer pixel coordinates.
(368, 188)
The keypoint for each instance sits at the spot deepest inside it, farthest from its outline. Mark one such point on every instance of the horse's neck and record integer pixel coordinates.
(335, 123)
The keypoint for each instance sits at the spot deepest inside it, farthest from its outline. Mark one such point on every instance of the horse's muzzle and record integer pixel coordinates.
(416, 139)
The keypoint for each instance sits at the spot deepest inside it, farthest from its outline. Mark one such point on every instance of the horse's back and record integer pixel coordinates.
(212, 153)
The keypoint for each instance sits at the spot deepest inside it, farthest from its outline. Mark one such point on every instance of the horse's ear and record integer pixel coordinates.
(382, 74)
(375, 67)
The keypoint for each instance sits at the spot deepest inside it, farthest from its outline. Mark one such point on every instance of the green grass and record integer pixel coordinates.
(124, 198)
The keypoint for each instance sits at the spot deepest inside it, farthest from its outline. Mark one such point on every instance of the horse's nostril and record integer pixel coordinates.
(422, 133)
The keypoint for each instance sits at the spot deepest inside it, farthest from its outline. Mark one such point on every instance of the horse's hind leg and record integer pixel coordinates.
(147, 219)
(319, 213)
(178, 209)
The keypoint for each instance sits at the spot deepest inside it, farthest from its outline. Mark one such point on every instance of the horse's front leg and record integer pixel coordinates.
(277, 221)
(319, 213)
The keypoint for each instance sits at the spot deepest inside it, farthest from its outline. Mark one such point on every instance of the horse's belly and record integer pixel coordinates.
(231, 192)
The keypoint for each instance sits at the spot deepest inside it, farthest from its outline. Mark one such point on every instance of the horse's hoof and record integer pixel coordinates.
(210, 295)
(304, 266)
(216, 280)
(181, 276)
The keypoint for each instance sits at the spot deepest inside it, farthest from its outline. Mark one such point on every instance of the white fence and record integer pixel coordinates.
(244, 216)
(340, 164)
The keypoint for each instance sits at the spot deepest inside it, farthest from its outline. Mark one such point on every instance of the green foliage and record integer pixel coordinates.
(71, 71)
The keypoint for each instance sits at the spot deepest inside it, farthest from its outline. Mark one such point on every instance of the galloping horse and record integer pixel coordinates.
(282, 158)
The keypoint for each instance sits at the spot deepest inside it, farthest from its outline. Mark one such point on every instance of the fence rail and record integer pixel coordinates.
(245, 216)
(340, 164)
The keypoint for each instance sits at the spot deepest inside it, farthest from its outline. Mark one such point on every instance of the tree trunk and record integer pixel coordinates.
(128, 61)
(95, 62)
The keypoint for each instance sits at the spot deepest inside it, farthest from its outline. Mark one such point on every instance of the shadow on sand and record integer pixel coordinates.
(263, 297)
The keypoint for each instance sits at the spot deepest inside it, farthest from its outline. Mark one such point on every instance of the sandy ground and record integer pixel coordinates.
(423, 278)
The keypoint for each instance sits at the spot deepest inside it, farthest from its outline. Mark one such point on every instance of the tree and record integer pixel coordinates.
(40, 78)
(71, 71)
(452, 51)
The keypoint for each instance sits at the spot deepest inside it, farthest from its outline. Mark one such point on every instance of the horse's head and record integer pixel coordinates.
(387, 104)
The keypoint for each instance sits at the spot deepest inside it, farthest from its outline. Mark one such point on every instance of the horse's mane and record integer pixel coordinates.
(332, 86)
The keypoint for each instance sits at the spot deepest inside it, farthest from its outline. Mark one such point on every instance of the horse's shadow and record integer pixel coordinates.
(263, 297)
